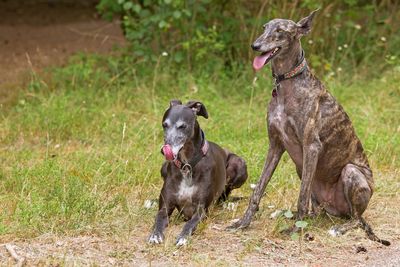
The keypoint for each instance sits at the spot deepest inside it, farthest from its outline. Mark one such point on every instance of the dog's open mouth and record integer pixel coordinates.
(170, 152)
(264, 58)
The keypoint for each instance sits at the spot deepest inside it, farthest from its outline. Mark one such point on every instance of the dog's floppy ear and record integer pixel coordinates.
(175, 102)
(304, 25)
(198, 108)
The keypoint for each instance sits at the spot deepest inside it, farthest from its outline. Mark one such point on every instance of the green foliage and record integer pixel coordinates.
(153, 27)
(347, 34)
(301, 224)
(295, 236)
(288, 214)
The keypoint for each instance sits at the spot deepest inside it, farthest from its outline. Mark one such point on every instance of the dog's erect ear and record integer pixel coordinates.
(304, 25)
(198, 108)
(175, 102)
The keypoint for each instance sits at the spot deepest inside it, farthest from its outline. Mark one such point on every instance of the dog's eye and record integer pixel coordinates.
(280, 30)
(165, 125)
(182, 126)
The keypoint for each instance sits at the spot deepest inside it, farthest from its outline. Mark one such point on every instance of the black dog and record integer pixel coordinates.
(197, 172)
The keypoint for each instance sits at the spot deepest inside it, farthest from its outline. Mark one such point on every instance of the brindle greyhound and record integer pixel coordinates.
(197, 172)
(305, 120)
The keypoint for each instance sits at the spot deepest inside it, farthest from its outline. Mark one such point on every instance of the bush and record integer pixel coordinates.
(347, 34)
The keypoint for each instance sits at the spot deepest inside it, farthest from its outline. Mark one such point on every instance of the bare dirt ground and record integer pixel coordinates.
(38, 34)
(35, 36)
(211, 246)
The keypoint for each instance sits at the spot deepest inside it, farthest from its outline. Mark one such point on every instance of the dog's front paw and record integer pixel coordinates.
(181, 241)
(238, 224)
(156, 238)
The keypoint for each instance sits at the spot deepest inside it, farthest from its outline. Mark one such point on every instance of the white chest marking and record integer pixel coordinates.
(186, 191)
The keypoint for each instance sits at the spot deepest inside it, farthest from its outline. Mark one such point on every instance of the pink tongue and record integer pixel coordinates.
(167, 150)
(259, 61)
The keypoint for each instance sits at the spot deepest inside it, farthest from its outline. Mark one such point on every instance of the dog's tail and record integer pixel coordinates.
(371, 235)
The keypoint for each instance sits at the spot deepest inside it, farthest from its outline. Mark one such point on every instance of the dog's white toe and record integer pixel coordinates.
(181, 241)
(155, 239)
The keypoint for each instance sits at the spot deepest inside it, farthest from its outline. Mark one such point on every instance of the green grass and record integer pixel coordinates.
(80, 152)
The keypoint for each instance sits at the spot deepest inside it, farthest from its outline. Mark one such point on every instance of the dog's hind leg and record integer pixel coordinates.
(357, 192)
(236, 174)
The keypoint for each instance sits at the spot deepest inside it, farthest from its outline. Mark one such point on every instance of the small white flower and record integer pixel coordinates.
(357, 26)
(383, 39)
(340, 48)
(310, 42)
(57, 146)
(276, 214)
(253, 186)
(345, 46)
(333, 232)
(164, 54)
(339, 69)
(148, 204)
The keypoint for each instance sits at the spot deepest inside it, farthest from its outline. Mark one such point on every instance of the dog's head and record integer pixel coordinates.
(179, 122)
(278, 38)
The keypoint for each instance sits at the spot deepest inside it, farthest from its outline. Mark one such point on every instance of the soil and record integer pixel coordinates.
(209, 247)
(37, 34)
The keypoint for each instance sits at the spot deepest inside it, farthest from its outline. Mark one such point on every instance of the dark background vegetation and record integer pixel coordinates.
(352, 35)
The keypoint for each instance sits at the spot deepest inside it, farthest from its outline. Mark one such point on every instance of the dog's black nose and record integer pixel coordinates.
(255, 46)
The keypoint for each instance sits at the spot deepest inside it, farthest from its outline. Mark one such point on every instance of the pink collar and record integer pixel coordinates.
(204, 150)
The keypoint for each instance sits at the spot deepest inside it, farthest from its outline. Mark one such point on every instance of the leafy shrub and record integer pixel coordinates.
(347, 34)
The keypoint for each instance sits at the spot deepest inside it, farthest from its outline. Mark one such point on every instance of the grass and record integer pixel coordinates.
(80, 151)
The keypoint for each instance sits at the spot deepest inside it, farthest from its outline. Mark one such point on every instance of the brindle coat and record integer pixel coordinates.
(305, 120)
